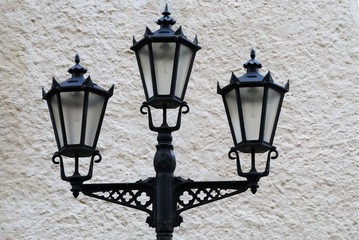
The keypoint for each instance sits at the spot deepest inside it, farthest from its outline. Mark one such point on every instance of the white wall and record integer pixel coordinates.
(312, 190)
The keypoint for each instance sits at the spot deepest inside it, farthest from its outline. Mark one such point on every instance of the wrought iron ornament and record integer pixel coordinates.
(163, 197)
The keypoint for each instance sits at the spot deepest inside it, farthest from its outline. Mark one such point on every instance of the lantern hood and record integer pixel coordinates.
(165, 32)
(76, 82)
(252, 77)
(165, 59)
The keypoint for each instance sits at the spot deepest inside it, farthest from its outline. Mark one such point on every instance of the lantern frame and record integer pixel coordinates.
(77, 84)
(252, 79)
(151, 81)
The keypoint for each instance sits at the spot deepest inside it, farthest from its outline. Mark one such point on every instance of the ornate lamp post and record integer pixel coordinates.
(165, 59)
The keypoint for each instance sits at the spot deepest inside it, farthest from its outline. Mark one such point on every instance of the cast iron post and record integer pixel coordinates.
(164, 164)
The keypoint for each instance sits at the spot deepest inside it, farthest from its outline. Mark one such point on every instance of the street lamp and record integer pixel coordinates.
(165, 58)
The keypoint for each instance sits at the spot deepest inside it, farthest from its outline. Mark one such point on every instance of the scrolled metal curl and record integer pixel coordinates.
(185, 107)
(273, 151)
(145, 106)
(230, 154)
(96, 154)
(56, 155)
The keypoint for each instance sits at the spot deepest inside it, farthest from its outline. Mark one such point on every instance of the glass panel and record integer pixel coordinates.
(232, 105)
(72, 108)
(163, 57)
(184, 61)
(252, 100)
(146, 69)
(57, 122)
(95, 106)
(272, 108)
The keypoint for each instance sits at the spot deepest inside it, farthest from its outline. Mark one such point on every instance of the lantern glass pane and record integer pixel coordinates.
(271, 113)
(143, 54)
(252, 101)
(184, 61)
(163, 57)
(94, 112)
(72, 108)
(56, 116)
(232, 105)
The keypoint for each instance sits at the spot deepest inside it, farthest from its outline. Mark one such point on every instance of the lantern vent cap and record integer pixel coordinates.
(166, 21)
(252, 64)
(77, 69)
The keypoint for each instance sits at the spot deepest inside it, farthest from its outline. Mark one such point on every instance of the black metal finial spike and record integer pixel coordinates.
(253, 53)
(77, 58)
(77, 68)
(166, 12)
(166, 21)
(252, 64)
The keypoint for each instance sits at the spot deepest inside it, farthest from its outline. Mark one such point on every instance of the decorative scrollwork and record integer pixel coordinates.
(253, 175)
(96, 154)
(146, 110)
(190, 194)
(137, 195)
(76, 178)
(56, 155)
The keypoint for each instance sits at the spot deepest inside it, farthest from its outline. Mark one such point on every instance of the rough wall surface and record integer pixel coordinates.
(312, 190)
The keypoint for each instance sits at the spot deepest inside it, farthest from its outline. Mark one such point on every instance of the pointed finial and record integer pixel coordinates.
(234, 78)
(253, 53)
(77, 58)
(195, 40)
(148, 32)
(287, 85)
(166, 21)
(166, 12)
(179, 31)
(252, 64)
(77, 68)
(43, 93)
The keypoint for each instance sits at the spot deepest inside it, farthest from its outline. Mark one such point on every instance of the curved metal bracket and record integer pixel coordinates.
(146, 110)
(76, 179)
(252, 175)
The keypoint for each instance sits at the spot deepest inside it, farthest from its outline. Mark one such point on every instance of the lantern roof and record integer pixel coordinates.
(165, 33)
(76, 82)
(252, 77)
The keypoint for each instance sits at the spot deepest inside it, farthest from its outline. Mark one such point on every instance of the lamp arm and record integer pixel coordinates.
(190, 194)
(138, 195)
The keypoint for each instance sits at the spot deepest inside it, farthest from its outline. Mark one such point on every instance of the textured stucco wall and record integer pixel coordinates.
(312, 190)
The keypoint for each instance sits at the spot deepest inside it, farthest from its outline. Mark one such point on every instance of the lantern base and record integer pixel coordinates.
(258, 147)
(164, 102)
(78, 150)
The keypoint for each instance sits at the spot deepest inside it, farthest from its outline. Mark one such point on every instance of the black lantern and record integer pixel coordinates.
(165, 58)
(253, 103)
(77, 107)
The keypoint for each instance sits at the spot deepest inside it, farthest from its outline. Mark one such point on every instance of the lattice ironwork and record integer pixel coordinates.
(190, 194)
(137, 195)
